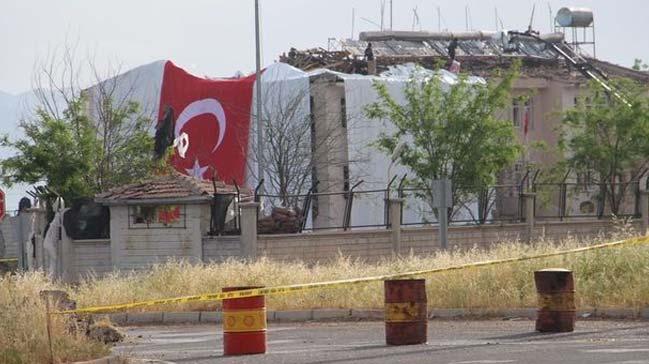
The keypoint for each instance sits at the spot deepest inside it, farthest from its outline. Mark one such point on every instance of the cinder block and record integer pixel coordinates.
(327, 314)
(211, 316)
(367, 314)
(181, 317)
(144, 318)
(301, 315)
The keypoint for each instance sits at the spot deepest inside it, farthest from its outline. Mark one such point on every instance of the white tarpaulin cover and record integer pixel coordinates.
(369, 164)
(282, 83)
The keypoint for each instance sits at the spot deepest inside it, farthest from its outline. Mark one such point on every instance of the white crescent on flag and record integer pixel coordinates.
(200, 107)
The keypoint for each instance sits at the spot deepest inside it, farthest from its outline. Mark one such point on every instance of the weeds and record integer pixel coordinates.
(23, 333)
(614, 277)
(605, 278)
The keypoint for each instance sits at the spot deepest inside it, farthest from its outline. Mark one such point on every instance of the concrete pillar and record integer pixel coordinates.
(66, 257)
(644, 212)
(528, 214)
(249, 229)
(39, 235)
(395, 224)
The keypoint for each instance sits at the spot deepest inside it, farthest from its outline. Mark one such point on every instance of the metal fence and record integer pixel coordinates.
(363, 209)
(225, 214)
(578, 200)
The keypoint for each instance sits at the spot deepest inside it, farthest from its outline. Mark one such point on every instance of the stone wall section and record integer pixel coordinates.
(90, 257)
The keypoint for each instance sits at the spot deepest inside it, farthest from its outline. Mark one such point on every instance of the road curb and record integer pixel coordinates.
(195, 317)
(111, 359)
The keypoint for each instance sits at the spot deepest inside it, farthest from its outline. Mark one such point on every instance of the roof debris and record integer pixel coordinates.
(481, 53)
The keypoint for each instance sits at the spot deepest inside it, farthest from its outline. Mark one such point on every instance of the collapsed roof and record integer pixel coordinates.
(480, 53)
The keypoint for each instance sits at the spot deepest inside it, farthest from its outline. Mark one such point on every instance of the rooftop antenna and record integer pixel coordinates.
(529, 27)
(353, 20)
(439, 19)
(496, 17)
(466, 17)
(415, 19)
(551, 19)
(390, 14)
(370, 21)
(382, 13)
(470, 18)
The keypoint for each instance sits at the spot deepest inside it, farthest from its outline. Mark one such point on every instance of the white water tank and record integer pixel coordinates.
(575, 17)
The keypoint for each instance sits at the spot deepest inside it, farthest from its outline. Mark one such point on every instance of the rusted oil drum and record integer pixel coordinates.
(244, 324)
(556, 295)
(406, 322)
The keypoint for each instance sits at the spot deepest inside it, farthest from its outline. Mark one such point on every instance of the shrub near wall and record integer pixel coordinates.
(605, 278)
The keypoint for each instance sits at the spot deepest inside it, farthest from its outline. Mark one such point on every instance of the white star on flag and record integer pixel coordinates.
(196, 171)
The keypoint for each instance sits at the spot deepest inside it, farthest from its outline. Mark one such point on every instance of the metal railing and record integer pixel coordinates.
(362, 209)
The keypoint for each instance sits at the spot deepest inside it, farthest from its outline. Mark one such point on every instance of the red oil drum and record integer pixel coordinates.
(406, 322)
(244, 324)
(556, 297)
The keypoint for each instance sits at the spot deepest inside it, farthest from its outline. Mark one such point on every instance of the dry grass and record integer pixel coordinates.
(605, 278)
(23, 330)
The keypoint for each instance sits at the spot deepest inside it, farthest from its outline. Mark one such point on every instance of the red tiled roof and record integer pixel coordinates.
(174, 186)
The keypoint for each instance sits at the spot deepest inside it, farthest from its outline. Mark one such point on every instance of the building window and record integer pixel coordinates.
(156, 216)
(343, 113)
(522, 110)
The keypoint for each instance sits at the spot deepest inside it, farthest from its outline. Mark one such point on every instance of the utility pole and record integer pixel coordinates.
(390, 14)
(353, 21)
(260, 123)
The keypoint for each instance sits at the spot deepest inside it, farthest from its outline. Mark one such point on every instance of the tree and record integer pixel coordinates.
(639, 65)
(77, 142)
(607, 138)
(293, 143)
(450, 133)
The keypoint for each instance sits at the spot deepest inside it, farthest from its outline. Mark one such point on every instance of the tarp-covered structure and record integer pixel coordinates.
(215, 129)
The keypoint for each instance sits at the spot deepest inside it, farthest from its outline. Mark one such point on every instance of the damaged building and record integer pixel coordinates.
(552, 74)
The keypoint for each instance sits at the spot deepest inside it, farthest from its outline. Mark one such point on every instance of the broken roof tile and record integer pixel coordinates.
(173, 186)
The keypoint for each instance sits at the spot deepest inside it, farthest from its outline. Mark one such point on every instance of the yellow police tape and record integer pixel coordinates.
(8, 260)
(310, 286)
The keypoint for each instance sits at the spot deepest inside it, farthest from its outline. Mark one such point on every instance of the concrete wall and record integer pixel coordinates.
(375, 244)
(89, 257)
(220, 248)
(139, 248)
(9, 240)
(136, 249)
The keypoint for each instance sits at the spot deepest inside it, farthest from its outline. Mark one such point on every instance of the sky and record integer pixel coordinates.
(216, 37)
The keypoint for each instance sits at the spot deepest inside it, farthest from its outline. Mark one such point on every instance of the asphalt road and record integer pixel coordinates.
(449, 342)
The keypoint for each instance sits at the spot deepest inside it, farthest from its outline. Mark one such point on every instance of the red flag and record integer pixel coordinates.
(212, 122)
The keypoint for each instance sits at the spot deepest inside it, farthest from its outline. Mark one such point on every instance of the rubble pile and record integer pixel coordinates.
(282, 220)
(311, 59)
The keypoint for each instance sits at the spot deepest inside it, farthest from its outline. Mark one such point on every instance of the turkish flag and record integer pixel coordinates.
(212, 123)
